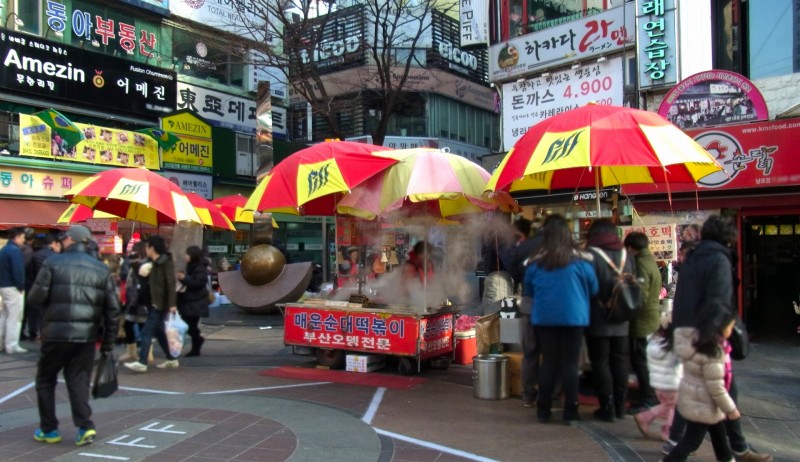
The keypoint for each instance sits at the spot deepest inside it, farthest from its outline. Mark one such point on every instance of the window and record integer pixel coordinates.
(197, 58)
(771, 41)
(27, 12)
(245, 155)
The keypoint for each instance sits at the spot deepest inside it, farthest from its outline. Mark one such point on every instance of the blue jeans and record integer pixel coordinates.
(154, 327)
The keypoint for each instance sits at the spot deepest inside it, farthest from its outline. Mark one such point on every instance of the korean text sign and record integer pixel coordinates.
(105, 146)
(529, 102)
(19, 181)
(48, 69)
(385, 333)
(594, 35)
(662, 238)
(193, 152)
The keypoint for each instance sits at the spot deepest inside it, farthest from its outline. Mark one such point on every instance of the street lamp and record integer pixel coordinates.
(57, 33)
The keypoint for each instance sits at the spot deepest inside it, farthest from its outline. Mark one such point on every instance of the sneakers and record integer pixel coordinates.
(85, 436)
(16, 350)
(169, 364)
(136, 366)
(50, 437)
(752, 456)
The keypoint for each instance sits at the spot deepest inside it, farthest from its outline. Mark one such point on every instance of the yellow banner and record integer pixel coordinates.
(22, 181)
(104, 146)
(193, 152)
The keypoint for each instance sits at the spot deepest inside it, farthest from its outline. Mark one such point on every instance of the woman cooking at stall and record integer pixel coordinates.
(419, 262)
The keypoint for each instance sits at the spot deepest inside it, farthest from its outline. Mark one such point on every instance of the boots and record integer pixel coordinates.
(197, 343)
(543, 410)
(130, 353)
(619, 405)
(571, 413)
(606, 410)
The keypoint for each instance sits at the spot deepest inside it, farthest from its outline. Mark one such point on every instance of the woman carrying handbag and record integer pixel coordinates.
(193, 295)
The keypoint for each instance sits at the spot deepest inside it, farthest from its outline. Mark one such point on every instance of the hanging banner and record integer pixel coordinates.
(713, 98)
(25, 181)
(474, 22)
(103, 145)
(753, 155)
(193, 151)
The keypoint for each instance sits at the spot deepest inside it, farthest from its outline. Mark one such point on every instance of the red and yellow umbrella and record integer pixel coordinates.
(310, 181)
(77, 213)
(426, 182)
(134, 194)
(596, 146)
(233, 208)
(210, 215)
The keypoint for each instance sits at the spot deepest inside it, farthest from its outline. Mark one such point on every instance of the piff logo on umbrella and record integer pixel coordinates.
(317, 179)
(562, 147)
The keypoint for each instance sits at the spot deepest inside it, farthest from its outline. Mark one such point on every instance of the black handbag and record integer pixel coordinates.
(105, 378)
(740, 343)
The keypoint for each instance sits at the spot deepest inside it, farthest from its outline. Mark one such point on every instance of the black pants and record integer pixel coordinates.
(693, 438)
(638, 354)
(130, 334)
(76, 359)
(194, 329)
(561, 349)
(609, 358)
(31, 321)
(531, 357)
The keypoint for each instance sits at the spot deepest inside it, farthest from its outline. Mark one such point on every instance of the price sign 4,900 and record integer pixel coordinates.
(589, 87)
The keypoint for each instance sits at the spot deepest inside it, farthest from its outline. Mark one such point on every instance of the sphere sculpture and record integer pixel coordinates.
(262, 264)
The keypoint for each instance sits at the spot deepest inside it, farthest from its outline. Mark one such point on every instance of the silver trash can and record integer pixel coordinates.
(490, 377)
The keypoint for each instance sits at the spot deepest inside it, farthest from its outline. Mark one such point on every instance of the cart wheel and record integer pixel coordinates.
(441, 363)
(333, 359)
(407, 366)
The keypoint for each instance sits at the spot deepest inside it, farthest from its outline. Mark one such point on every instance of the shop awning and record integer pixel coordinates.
(33, 213)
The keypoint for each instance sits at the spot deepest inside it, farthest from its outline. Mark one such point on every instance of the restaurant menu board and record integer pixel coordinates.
(663, 239)
(105, 146)
(380, 333)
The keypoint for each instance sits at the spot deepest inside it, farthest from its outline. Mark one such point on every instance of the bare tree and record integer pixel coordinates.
(352, 58)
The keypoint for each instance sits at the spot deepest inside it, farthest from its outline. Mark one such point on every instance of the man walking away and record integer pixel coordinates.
(12, 291)
(79, 298)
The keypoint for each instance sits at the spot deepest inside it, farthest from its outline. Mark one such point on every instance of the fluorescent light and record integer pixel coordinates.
(521, 80)
(545, 74)
(576, 65)
(602, 59)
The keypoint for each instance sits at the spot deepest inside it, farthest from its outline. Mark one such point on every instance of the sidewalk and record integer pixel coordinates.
(221, 407)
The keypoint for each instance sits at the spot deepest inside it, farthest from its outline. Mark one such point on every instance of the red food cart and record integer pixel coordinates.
(333, 331)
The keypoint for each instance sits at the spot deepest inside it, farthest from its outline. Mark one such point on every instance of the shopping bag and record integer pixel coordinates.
(487, 330)
(175, 328)
(105, 378)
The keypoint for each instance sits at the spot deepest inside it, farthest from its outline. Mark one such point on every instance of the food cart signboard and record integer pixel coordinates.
(662, 239)
(383, 333)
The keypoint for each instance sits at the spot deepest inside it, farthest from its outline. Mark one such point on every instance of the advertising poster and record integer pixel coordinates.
(533, 100)
(663, 239)
(193, 151)
(103, 145)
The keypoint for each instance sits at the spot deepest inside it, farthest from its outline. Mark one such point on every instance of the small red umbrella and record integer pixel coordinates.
(310, 181)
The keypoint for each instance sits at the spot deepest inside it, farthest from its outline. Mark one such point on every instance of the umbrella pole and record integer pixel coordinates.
(597, 189)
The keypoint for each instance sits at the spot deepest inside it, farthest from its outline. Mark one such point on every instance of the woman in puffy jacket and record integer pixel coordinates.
(703, 398)
(193, 297)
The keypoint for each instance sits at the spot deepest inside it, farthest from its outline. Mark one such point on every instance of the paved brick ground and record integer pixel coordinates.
(217, 407)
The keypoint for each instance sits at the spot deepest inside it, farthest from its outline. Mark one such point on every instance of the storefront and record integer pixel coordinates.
(758, 187)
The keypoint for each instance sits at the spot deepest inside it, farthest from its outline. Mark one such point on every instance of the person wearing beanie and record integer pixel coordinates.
(81, 307)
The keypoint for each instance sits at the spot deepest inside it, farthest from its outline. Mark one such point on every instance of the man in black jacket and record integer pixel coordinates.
(79, 298)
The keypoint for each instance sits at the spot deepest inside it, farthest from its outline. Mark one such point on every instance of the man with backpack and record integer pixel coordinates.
(646, 320)
(607, 339)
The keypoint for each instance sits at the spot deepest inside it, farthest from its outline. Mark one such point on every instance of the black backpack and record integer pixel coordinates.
(626, 296)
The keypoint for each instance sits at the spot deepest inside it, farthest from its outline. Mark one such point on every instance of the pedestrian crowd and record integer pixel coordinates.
(681, 358)
(64, 297)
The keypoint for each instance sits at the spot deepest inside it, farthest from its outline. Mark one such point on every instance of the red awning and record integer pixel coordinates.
(36, 214)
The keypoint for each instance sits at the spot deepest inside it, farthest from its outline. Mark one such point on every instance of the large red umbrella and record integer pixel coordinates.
(310, 181)
(134, 194)
(597, 145)
(210, 215)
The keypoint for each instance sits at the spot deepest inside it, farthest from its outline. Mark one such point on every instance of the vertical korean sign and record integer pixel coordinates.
(193, 152)
(656, 43)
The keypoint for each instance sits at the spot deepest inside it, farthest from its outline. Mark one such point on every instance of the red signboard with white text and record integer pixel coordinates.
(754, 155)
(371, 332)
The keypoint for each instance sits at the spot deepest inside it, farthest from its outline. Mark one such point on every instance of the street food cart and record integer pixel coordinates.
(333, 328)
